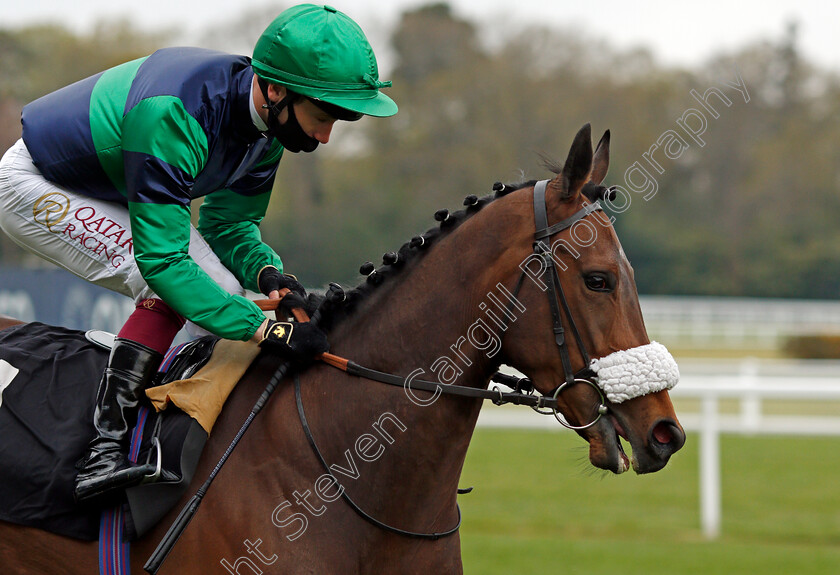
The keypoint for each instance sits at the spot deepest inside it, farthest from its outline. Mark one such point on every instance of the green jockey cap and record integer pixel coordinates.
(321, 53)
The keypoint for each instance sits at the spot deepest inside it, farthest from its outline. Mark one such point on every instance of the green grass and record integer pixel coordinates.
(539, 508)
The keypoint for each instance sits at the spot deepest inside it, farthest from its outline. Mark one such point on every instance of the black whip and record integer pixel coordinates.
(177, 528)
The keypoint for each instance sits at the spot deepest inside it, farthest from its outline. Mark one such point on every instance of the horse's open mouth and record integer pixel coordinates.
(605, 448)
(623, 461)
(649, 453)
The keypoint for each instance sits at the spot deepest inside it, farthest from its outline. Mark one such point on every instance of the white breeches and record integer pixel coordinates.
(90, 238)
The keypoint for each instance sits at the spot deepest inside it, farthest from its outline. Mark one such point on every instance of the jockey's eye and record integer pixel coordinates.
(598, 282)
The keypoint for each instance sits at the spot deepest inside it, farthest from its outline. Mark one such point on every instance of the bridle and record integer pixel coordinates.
(554, 288)
(524, 392)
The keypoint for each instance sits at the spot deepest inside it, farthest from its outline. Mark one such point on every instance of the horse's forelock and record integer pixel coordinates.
(552, 164)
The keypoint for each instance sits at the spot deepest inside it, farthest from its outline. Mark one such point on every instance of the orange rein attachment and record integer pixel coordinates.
(301, 315)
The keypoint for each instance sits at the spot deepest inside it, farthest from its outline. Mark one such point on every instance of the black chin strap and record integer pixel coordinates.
(275, 129)
(274, 108)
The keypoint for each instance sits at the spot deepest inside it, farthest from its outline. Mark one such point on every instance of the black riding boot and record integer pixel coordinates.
(131, 368)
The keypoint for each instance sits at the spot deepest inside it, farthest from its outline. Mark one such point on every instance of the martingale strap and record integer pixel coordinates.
(370, 519)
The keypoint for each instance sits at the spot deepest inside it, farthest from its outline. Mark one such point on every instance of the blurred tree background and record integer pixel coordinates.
(750, 213)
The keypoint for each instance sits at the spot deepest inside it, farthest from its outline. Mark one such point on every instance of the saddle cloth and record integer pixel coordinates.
(48, 382)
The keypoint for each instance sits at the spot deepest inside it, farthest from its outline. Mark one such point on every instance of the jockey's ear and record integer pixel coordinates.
(577, 168)
(601, 161)
(276, 92)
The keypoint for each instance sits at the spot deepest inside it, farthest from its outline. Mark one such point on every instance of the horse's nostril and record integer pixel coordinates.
(662, 433)
(667, 434)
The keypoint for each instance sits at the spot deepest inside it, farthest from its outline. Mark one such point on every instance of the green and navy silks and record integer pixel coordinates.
(154, 134)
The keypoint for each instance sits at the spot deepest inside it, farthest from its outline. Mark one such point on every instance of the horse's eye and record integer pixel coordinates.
(597, 282)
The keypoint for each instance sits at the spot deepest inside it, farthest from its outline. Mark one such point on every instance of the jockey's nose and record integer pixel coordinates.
(322, 133)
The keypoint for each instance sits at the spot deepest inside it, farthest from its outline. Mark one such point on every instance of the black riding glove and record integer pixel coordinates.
(271, 279)
(298, 341)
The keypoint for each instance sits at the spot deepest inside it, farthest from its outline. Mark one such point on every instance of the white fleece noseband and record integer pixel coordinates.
(636, 372)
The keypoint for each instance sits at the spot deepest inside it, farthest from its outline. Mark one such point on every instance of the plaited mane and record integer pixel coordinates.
(394, 262)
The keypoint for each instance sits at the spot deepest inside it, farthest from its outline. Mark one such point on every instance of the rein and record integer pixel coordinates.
(522, 386)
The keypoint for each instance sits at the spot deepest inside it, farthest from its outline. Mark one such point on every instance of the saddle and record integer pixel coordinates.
(48, 382)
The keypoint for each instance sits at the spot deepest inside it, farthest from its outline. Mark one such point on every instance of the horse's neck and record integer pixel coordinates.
(424, 319)
(419, 323)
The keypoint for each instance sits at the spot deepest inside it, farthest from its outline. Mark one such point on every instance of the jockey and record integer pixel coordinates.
(102, 181)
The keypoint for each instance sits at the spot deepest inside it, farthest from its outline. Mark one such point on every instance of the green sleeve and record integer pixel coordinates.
(230, 223)
(161, 234)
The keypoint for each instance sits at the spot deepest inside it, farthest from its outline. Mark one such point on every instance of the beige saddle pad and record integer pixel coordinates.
(203, 395)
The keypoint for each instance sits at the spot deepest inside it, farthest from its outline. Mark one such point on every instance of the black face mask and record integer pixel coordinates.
(290, 134)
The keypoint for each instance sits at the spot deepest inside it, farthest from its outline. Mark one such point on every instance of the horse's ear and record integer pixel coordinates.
(601, 161)
(577, 167)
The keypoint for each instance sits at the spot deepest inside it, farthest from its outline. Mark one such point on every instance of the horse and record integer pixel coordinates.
(447, 306)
